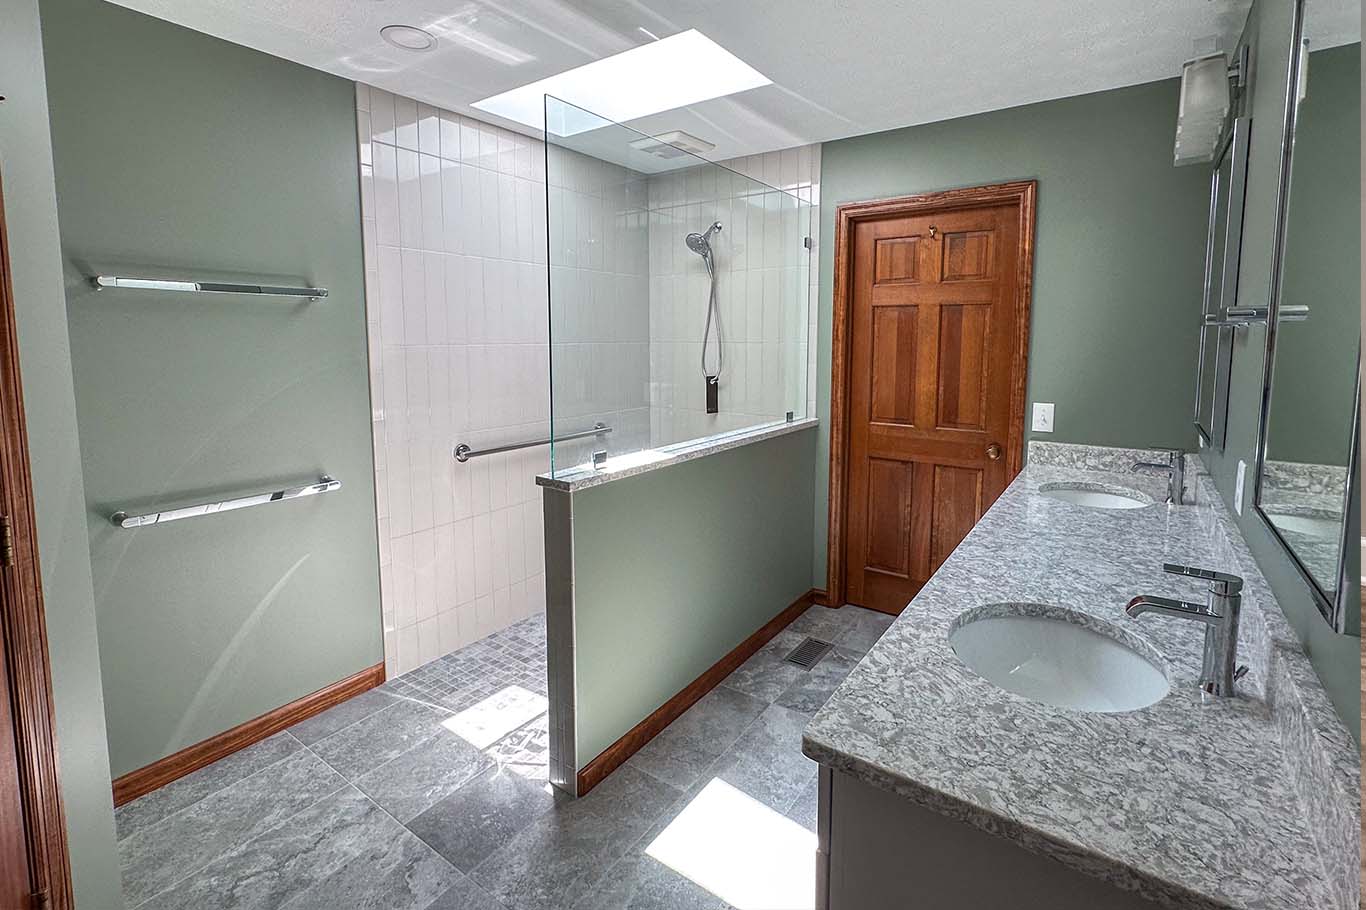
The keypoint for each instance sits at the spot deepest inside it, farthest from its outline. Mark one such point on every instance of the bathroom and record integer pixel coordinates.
(576, 455)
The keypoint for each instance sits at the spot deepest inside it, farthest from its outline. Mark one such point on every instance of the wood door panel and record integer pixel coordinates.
(957, 505)
(935, 347)
(897, 259)
(894, 361)
(967, 256)
(964, 330)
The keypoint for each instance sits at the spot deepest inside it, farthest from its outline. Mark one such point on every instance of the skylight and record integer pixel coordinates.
(673, 72)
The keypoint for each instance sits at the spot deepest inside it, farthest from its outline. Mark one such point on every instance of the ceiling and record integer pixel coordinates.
(839, 67)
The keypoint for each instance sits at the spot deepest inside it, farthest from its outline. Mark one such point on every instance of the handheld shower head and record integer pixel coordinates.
(701, 243)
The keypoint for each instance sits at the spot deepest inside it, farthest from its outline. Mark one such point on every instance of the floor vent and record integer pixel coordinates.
(807, 654)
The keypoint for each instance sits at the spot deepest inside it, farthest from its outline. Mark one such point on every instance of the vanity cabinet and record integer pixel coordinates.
(879, 851)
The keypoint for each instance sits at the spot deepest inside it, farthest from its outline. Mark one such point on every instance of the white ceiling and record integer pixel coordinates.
(839, 67)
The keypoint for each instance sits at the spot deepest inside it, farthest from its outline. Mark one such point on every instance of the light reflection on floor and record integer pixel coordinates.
(740, 850)
(483, 724)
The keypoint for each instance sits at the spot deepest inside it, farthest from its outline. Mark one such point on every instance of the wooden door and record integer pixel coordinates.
(34, 862)
(935, 381)
(15, 882)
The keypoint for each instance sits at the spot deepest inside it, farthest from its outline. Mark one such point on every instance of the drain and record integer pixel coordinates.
(809, 652)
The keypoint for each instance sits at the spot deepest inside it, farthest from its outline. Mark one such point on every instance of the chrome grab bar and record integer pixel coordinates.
(325, 484)
(464, 453)
(1249, 315)
(205, 287)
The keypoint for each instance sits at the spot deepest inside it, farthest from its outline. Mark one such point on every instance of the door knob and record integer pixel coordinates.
(994, 452)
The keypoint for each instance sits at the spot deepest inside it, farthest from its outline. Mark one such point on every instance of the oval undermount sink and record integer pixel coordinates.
(1095, 496)
(1059, 657)
(1311, 525)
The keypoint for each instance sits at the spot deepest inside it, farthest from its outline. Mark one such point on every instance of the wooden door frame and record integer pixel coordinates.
(23, 625)
(847, 217)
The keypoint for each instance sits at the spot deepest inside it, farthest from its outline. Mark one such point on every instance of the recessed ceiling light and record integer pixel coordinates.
(408, 37)
(673, 72)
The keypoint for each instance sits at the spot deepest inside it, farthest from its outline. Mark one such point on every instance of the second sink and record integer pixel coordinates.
(1096, 496)
(1059, 657)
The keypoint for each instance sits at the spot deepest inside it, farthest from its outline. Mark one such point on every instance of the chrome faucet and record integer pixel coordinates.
(1220, 615)
(1176, 472)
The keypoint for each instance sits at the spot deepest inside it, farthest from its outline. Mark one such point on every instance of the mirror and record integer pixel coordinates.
(1223, 245)
(1310, 422)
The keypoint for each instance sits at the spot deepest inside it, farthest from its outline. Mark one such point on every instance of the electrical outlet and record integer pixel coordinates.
(1238, 486)
(1043, 417)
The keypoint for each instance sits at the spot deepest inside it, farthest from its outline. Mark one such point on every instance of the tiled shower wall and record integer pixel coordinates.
(766, 289)
(454, 228)
(454, 218)
(455, 231)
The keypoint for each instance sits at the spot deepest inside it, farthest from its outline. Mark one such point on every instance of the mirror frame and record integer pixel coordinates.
(1332, 605)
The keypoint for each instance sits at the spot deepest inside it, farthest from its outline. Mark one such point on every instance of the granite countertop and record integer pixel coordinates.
(1185, 803)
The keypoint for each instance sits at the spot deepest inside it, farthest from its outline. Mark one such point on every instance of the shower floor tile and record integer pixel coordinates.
(431, 793)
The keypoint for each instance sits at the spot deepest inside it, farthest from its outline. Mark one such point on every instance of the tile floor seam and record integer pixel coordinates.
(369, 716)
(244, 843)
(161, 821)
(417, 744)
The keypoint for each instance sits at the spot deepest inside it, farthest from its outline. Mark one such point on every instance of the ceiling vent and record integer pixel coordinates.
(673, 144)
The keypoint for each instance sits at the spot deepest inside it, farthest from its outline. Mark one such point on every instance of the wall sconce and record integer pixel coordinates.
(1207, 93)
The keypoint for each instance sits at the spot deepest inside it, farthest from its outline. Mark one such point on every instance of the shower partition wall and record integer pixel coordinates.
(679, 292)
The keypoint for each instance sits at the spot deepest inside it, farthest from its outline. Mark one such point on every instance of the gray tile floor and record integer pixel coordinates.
(431, 792)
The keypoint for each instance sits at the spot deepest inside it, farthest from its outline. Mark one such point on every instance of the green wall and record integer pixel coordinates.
(1335, 657)
(176, 152)
(1118, 264)
(674, 568)
(1316, 359)
(54, 452)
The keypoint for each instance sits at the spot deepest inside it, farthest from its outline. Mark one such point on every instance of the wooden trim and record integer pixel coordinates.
(634, 739)
(23, 625)
(160, 773)
(847, 216)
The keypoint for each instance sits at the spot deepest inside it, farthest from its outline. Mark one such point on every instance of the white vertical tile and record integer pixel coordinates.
(424, 573)
(428, 640)
(405, 123)
(445, 568)
(404, 581)
(428, 130)
(381, 116)
(414, 297)
(409, 200)
(448, 130)
(386, 194)
(462, 541)
(408, 655)
(482, 529)
(433, 233)
(451, 215)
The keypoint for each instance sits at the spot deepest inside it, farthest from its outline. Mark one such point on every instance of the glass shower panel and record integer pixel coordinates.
(678, 294)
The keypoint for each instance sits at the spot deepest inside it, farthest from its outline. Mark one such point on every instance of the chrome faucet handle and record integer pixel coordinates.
(1220, 582)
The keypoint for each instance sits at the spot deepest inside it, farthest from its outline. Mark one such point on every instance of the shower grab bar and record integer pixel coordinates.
(325, 484)
(205, 287)
(464, 453)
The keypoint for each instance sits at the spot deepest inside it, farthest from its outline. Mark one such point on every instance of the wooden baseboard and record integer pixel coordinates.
(634, 739)
(160, 773)
(822, 597)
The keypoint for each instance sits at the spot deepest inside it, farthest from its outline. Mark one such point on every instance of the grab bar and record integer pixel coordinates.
(464, 453)
(205, 287)
(1249, 315)
(325, 484)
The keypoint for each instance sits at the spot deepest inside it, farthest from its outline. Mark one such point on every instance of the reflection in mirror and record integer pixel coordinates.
(1309, 428)
(1222, 248)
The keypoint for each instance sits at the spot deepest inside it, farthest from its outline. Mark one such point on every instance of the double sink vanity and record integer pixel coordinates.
(1046, 725)
(1098, 700)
